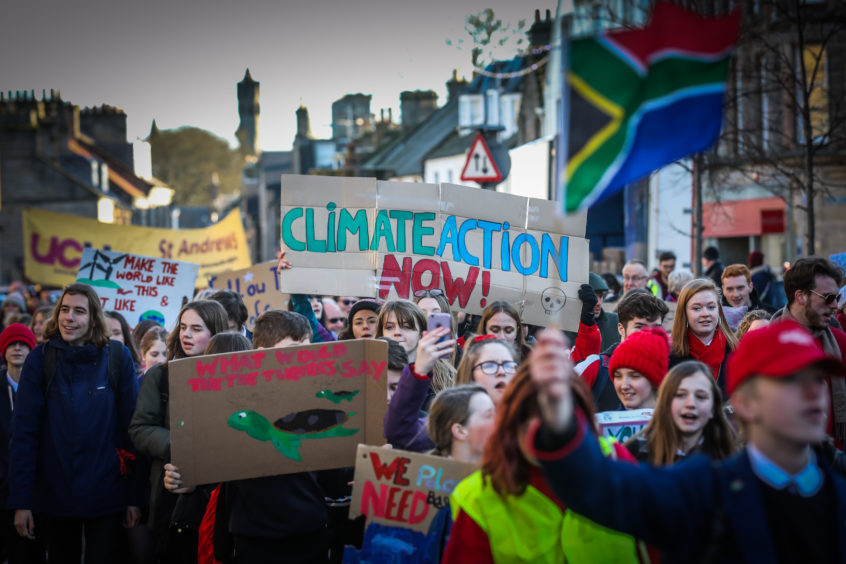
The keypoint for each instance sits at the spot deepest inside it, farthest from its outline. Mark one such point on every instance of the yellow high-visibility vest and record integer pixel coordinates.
(532, 528)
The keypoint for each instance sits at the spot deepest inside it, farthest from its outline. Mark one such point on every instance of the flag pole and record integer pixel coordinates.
(697, 214)
(562, 145)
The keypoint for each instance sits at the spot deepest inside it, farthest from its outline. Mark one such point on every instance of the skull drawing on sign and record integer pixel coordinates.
(553, 300)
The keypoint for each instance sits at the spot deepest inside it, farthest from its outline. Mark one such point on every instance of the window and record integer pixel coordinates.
(471, 110)
(814, 62)
(509, 105)
(493, 107)
(104, 177)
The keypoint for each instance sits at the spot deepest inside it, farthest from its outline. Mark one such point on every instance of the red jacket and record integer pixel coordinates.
(588, 342)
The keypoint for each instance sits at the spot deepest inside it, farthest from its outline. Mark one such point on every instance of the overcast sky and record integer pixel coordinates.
(178, 61)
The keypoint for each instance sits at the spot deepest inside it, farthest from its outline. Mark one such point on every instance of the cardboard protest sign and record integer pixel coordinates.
(363, 237)
(139, 287)
(54, 243)
(623, 425)
(403, 489)
(258, 286)
(276, 411)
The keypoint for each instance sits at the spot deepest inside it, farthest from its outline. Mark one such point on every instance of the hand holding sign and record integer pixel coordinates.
(283, 263)
(173, 480)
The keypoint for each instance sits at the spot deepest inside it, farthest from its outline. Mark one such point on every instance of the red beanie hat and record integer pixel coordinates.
(756, 258)
(647, 351)
(15, 333)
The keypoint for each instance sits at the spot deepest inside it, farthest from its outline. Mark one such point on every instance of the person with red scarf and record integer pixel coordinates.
(700, 329)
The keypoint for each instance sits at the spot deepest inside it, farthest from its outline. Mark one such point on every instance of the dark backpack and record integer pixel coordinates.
(115, 358)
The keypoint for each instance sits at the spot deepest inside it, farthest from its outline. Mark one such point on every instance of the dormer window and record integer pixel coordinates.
(471, 110)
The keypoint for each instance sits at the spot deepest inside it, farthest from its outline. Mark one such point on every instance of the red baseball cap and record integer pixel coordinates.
(777, 351)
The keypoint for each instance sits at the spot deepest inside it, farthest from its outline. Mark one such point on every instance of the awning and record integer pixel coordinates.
(742, 218)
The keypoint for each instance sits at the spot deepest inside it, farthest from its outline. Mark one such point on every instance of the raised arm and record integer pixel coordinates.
(666, 507)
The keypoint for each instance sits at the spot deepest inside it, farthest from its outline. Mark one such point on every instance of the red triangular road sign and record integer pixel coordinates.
(480, 165)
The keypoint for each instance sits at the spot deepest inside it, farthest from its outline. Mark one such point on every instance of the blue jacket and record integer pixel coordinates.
(63, 460)
(674, 508)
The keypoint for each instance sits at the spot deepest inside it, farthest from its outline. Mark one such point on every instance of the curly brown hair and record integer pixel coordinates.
(746, 322)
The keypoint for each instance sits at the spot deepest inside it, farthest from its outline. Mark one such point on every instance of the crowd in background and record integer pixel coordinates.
(85, 469)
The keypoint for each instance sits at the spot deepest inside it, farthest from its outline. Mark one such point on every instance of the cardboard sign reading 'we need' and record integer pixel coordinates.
(401, 488)
(363, 237)
(276, 411)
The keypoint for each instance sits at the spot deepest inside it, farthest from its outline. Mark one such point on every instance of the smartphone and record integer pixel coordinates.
(436, 320)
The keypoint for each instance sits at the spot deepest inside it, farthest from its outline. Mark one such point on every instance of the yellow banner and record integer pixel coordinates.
(53, 244)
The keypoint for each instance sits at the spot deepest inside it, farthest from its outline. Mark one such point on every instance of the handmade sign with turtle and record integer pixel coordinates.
(276, 411)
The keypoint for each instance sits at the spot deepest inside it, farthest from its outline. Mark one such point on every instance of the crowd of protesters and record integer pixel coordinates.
(740, 373)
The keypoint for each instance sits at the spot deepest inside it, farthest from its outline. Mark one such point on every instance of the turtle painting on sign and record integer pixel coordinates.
(286, 432)
(336, 397)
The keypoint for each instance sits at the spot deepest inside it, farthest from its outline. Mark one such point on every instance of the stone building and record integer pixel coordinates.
(57, 157)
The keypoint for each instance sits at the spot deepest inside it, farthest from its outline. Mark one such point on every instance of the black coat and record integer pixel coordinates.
(6, 395)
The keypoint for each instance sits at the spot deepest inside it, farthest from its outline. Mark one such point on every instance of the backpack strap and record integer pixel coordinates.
(600, 382)
(115, 358)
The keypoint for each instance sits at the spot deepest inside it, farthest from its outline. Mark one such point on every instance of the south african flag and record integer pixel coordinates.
(644, 98)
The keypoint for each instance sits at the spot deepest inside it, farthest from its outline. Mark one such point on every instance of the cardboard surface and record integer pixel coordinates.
(401, 488)
(139, 287)
(258, 286)
(623, 425)
(54, 242)
(215, 438)
(363, 237)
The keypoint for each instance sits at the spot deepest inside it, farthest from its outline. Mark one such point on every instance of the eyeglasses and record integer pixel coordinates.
(491, 367)
(633, 278)
(426, 293)
(336, 319)
(829, 298)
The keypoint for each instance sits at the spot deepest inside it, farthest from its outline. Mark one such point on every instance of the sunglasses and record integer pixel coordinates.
(426, 293)
(490, 367)
(336, 319)
(829, 298)
(348, 301)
